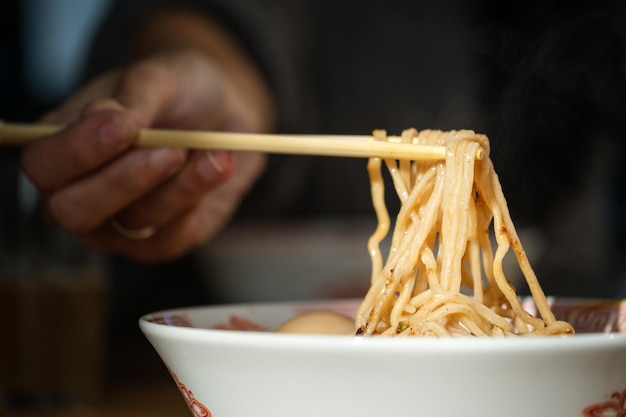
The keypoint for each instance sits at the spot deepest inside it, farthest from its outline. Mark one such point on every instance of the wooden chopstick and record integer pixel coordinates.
(17, 134)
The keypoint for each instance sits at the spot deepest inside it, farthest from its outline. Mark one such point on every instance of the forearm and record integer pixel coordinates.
(248, 94)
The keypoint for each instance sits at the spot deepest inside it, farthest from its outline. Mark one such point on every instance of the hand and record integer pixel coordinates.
(90, 173)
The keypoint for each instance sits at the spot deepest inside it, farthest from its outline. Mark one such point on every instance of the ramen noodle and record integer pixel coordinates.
(442, 275)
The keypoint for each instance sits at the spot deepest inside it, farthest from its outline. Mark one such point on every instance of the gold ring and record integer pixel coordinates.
(132, 234)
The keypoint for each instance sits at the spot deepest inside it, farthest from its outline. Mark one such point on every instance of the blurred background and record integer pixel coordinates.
(70, 343)
(60, 350)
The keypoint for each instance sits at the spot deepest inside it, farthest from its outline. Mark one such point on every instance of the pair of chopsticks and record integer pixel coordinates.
(17, 134)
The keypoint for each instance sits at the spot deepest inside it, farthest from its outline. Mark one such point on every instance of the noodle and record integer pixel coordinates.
(441, 244)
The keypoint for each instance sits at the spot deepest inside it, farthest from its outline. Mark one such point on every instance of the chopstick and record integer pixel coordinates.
(354, 146)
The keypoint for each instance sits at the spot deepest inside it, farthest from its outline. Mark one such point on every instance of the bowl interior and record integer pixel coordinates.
(587, 316)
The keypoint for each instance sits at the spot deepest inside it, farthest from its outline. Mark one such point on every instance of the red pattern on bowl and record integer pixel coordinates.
(615, 406)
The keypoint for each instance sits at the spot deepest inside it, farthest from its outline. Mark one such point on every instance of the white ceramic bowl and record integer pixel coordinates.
(245, 371)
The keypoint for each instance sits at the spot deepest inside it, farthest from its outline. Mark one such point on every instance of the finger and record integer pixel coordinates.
(204, 172)
(85, 204)
(77, 150)
(191, 227)
(169, 243)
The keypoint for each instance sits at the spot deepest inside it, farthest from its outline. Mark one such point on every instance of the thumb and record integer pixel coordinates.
(147, 90)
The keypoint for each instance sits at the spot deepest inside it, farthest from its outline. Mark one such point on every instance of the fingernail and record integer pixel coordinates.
(114, 132)
(166, 159)
(212, 165)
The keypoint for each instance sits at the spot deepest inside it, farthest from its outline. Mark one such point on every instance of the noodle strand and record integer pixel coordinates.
(442, 276)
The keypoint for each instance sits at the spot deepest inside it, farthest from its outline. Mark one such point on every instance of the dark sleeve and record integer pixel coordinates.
(275, 33)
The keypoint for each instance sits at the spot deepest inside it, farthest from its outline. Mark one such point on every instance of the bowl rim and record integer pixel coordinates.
(267, 339)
